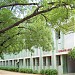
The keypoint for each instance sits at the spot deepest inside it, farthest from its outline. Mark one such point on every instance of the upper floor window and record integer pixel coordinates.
(58, 34)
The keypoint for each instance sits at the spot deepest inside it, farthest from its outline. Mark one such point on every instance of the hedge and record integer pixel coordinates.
(23, 70)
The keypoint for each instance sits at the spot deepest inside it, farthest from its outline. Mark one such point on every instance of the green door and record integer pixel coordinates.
(65, 65)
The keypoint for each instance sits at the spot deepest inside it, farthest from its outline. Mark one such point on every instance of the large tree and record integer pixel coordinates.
(24, 24)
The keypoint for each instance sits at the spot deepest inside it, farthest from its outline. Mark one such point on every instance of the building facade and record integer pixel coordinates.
(54, 59)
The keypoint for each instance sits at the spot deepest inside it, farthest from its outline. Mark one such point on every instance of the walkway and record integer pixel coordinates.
(2, 72)
(70, 74)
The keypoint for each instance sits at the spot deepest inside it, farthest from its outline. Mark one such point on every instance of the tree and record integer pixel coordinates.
(72, 53)
(34, 28)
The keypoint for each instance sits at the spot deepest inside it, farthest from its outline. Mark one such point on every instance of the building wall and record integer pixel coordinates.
(43, 59)
(69, 40)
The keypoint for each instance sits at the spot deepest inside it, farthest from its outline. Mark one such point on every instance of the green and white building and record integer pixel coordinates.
(57, 58)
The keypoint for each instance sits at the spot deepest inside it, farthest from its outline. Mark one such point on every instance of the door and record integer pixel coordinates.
(65, 64)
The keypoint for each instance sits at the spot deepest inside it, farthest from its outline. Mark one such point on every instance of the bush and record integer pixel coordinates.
(49, 72)
(9, 68)
(35, 72)
(29, 71)
(54, 72)
(23, 70)
(42, 71)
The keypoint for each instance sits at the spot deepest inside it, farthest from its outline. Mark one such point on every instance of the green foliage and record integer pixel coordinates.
(42, 71)
(72, 53)
(9, 69)
(36, 32)
(35, 72)
(49, 72)
(23, 70)
(39, 35)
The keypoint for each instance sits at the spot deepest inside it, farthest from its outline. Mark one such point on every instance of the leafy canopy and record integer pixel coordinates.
(24, 24)
(72, 53)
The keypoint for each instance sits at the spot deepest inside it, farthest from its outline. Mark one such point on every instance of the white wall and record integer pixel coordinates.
(69, 40)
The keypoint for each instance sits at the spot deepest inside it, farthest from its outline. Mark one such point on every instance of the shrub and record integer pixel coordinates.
(29, 71)
(49, 72)
(54, 72)
(9, 68)
(42, 71)
(23, 70)
(35, 72)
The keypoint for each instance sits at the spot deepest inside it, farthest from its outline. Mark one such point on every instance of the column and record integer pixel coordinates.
(40, 59)
(31, 62)
(24, 63)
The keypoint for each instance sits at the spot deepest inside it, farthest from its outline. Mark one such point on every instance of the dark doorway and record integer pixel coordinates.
(71, 65)
(68, 64)
(65, 64)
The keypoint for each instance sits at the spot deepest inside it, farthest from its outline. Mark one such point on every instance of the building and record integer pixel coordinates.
(57, 58)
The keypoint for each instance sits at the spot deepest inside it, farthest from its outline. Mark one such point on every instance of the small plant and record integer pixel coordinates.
(35, 72)
(42, 71)
(49, 72)
(72, 53)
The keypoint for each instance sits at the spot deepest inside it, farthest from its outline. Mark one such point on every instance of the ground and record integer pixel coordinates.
(2, 72)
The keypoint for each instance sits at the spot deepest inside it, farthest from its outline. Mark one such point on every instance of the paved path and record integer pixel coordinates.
(2, 72)
(70, 74)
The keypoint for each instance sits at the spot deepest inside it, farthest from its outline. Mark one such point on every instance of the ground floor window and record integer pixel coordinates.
(28, 61)
(44, 61)
(58, 60)
(37, 61)
(10, 62)
(21, 62)
(6, 63)
(49, 60)
(33, 61)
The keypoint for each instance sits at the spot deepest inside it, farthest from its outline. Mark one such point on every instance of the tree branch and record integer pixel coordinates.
(30, 16)
(18, 4)
(8, 39)
(44, 17)
(27, 29)
(13, 36)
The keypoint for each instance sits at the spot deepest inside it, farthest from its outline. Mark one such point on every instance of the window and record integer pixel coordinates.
(21, 62)
(37, 59)
(28, 61)
(58, 60)
(49, 60)
(6, 63)
(58, 34)
(33, 61)
(44, 61)
(10, 62)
